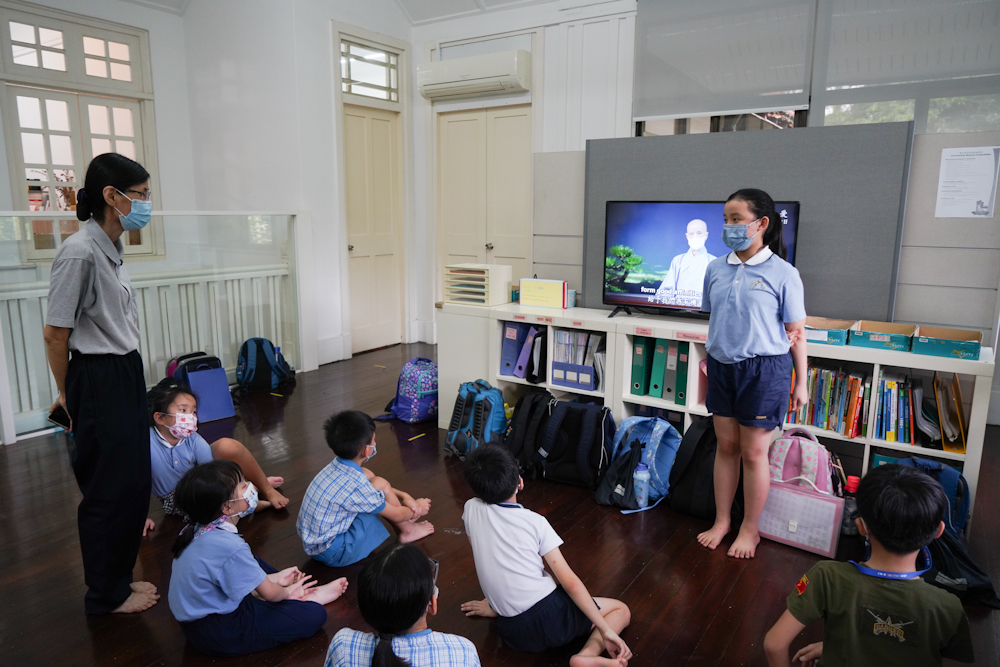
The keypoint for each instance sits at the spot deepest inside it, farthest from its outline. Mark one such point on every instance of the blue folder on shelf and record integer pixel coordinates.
(514, 334)
(214, 398)
(520, 369)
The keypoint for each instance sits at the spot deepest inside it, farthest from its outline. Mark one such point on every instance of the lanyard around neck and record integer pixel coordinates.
(896, 575)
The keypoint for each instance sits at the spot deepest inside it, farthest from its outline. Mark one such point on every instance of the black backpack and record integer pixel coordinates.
(527, 426)
(576, 448)
(954, 571)
(692, 486)
(618, 487)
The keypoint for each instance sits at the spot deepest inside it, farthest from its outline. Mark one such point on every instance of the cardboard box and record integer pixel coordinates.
(882, 335)
(827, 331)
(942, 342)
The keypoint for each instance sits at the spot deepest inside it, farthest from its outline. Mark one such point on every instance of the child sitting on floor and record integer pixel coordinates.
(509, 543)
(227, 601)
(175, 447)
(880, 612)
(397, 589)
(338, 521)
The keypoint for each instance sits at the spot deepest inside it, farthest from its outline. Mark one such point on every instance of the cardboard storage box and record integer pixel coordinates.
(882, 335)
(825, 330)
(942, 342)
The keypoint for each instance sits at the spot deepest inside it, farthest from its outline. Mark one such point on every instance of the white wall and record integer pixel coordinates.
(265, 132)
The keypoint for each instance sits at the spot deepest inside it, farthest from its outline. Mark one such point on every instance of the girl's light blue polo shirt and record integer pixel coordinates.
(750, 303)
(168, 464)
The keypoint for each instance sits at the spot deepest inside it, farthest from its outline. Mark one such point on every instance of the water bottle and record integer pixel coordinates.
(640, 482)
(847, 525)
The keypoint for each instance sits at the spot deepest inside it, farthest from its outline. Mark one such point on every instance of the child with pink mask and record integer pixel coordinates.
(175, 447)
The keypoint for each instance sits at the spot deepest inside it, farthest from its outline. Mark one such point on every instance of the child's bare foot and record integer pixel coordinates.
(143, 587)
(276, 482)
(479, 608)
(411, 532)
(277, 500)
(712, 537)
(596, 661)
(136, 602)
(745, 544)
(328, 592)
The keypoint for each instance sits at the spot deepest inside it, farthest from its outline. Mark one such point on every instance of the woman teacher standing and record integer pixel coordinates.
(92, 336)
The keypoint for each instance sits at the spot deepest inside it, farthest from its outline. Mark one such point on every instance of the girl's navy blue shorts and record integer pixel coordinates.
(553, 621)
(755, 391)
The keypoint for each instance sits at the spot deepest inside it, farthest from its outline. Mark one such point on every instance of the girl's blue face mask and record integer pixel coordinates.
(139, 216)
(735, 236)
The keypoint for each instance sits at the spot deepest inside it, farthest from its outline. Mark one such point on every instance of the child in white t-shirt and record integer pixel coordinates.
(533, 611)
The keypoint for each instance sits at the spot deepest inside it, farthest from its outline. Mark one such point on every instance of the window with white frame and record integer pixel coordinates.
(74, 88)
(369, 71)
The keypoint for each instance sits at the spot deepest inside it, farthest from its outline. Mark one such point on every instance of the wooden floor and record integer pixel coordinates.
(689, 606)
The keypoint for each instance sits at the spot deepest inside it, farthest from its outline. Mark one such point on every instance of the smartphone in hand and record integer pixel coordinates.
(59, 417)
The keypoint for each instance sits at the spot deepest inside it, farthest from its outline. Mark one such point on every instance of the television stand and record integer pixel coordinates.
(620, 309)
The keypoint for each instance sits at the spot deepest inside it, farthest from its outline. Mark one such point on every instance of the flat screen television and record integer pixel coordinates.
(656, 252)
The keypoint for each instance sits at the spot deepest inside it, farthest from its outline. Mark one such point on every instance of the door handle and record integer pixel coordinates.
(489, 246)
(350, 247)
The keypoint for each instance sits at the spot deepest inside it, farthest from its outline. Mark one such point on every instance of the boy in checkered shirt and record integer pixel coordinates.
(339, 519)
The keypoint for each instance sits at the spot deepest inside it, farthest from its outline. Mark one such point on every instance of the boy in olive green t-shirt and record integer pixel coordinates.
(879, 612)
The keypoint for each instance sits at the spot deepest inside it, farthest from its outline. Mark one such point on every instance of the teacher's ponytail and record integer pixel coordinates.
(201, 493)
(762, 206)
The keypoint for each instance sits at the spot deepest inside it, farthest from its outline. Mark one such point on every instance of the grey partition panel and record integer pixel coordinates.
(850, 181)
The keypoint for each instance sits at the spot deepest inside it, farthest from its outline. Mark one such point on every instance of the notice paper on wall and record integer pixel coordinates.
(967, 184)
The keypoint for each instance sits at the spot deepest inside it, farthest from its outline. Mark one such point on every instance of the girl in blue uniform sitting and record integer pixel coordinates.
(228, 601)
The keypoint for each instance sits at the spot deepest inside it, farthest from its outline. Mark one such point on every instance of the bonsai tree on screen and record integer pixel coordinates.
(620, 261)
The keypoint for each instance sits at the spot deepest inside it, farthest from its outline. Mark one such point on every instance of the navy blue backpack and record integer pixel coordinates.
(955, 487)
(261, 367)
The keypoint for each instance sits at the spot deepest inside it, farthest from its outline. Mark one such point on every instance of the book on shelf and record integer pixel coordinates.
(837, 401)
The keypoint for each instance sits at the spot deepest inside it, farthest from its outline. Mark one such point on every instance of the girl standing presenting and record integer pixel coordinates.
(755, 335)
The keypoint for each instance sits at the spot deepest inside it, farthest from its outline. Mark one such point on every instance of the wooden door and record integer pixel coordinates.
(462, 187)
(508, 193)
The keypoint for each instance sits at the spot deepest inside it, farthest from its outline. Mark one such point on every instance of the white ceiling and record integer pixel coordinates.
(428, 11)
(172, 6)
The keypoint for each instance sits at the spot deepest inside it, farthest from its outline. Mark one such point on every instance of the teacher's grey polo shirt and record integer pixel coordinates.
(90, 293)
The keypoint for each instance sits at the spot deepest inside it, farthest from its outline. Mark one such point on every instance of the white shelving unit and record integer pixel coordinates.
(463, 347)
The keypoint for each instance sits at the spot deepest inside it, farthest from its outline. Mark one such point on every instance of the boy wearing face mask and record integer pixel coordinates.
(339, 519)
(175, 447)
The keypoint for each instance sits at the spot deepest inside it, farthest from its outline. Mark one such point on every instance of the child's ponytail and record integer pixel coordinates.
(201, 493)
(762, 206)
(394, 590)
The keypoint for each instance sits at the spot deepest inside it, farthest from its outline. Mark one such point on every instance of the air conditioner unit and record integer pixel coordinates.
(476, 76)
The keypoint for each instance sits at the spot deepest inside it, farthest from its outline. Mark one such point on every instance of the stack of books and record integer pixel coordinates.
(838, 401)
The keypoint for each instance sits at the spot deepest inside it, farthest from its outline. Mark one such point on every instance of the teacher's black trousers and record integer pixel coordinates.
(106, 399)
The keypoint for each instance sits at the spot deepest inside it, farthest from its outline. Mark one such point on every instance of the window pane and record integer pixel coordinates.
(57, 113)
(53, 60)
(98, 119)
(62, 149)
(36, 174)
(41, 232)
(64, 175)
(123, 122)
(65, 199)
(135, 237)
(33, 147)
(366, 72)
(126, 148)
(343, 69)
(29, 113)
(869, 112)
(50, 38)
(69, 227)
(24, 55)
(93, 47)
(20, 32)
(121, 72)
(370, 54)
(100, 146)
(118, 51)
(975, 113)
(97, 67)
(369, 92)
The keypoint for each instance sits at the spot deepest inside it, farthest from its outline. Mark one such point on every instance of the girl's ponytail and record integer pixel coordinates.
(201, 493)
(762, 206)
(384, 656)
(183, 540)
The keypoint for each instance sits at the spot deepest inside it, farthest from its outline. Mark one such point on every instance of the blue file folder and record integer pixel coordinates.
(521, 368)
(514, 334)
(212, 389)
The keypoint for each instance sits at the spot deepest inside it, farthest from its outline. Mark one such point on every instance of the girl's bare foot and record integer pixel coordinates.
(411, 532)
(276, 482)
(143, 587)
(277, 500)
(136, 602)
(712, 537)
(745, 544)
(479, 608)
(328, 592)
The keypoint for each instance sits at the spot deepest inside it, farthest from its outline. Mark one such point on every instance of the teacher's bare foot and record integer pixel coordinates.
(138, 601)
(143, 587)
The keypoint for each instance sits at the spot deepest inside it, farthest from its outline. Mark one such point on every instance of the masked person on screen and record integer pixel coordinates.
(686, 276)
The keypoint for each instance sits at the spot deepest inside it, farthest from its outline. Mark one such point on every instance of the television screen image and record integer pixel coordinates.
(656, 253)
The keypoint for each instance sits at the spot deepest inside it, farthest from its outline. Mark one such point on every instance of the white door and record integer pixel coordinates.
(462, 186)
(508, 194)
(373, 166)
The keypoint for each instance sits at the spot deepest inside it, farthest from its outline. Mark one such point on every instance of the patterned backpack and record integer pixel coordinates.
(797, 456)
(416, 392)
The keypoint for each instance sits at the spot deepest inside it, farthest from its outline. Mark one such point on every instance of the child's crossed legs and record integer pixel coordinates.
(410, 530)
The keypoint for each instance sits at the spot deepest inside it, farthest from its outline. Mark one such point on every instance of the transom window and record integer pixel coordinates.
(368, 71)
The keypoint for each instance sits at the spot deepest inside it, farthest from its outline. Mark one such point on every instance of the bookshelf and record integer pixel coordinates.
(467, 347)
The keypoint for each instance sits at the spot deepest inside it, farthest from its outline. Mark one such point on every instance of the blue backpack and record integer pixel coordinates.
(477, 419)
(660, 442)
(260, 367)
(416, 392)
(955, 487)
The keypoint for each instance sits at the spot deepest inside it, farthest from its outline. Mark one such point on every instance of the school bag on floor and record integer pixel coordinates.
(955, 487)
(797, 457)
(617, 488)
(180, 367)
(527, 426)
(478, 418)
(576, 448)
(416, 397)
(261, 367)
(692, 485)
(659, 441)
